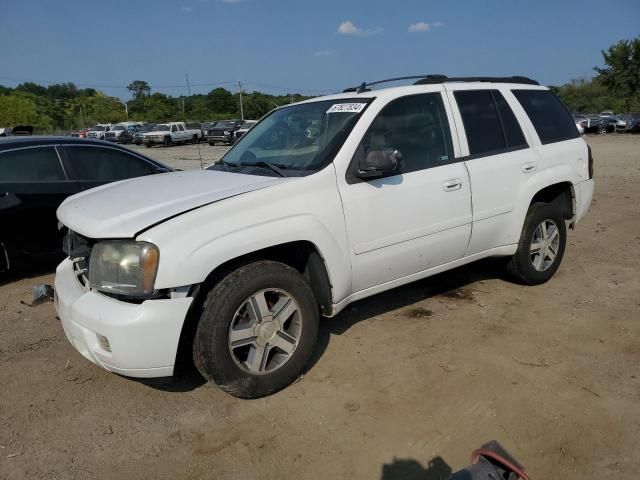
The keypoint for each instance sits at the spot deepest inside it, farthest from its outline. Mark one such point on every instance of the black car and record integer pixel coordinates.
(224, 131)
(38, 173)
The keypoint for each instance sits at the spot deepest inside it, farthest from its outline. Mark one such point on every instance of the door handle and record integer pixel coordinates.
(452, 185)
(529, 167)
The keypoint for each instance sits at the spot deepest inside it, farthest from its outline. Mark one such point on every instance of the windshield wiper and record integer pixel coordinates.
(274, 168)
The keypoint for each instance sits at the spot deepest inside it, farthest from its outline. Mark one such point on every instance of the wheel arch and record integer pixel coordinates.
(302, 255)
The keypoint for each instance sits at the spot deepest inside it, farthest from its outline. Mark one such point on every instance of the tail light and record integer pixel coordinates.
(590, 162)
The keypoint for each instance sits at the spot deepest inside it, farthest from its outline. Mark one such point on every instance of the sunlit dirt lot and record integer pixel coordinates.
(403, 385)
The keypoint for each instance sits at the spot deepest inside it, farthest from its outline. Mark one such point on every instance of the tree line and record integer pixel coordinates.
(65, 106)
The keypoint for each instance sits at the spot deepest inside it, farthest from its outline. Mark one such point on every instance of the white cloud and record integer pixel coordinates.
(186, 9)
(325, 53)
(348, 28)
(424, 27)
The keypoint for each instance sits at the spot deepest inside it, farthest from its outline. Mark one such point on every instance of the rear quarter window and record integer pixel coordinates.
(549, 116)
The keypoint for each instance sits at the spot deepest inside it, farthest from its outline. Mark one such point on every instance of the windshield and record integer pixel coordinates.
(98, 128)
(299, 139)
(161, 128)
(117, 127)
(225, 125)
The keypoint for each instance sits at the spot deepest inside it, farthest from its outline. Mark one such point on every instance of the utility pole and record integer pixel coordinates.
(188, 84)
(241, 109)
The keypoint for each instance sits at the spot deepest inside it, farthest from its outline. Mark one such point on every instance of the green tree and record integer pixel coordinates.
(20, 109)
(621, 75)
(139, 88)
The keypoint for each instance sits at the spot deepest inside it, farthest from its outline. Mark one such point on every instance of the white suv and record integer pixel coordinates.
(233, 266)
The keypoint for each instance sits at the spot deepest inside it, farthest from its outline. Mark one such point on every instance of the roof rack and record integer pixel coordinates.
(443, 78)
(437, 78)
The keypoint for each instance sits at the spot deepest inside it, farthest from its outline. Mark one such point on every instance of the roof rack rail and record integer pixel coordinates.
(438, 78)
(363, 86)
(443, 78)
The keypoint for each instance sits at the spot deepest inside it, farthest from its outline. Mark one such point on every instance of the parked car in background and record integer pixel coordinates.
(607, 113)
(235, 264)
(172, 133)
(579, 127)
(98, 132)
(5, 131)
(224, 132)
(81, 133)
(197, 128)
(21, 130)
(122, 133)
(244, 129)
(38, 173)
(593, 124)
(205, 129)
(138, 137)
(633, 123)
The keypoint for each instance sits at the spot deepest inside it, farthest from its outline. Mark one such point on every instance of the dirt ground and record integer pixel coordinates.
(404, 385)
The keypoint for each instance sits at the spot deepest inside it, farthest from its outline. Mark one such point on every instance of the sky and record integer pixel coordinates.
(309, 47)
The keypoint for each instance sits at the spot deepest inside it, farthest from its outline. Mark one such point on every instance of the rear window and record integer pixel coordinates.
(549, 116)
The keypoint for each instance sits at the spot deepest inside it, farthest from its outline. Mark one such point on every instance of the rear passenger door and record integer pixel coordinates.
(93, 166)
(499, 160)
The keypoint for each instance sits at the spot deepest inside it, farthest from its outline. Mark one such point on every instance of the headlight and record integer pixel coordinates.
(226, 132)
(124, 267)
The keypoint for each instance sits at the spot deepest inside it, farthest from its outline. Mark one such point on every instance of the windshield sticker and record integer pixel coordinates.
(347, 108)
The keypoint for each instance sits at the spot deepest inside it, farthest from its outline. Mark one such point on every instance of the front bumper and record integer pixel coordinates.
(143, 338)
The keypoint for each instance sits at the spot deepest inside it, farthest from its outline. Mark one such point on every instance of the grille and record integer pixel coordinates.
(216, 133)
(239, 134)
(78, 248)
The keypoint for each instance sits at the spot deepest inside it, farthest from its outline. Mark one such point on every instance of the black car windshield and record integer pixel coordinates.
(298, 139)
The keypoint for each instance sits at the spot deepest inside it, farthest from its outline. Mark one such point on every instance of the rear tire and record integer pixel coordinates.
(212, 144)
(239, 347)
(541, 246)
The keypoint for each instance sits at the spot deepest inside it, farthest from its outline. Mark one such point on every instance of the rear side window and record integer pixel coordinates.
(512, 132)
(39, 164)
(104, 164)
(549, 116)
(481, 121)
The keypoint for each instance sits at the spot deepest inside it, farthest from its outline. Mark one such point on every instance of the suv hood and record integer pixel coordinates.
(125, 208)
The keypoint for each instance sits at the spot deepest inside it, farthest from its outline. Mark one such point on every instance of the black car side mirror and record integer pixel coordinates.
(378, 163)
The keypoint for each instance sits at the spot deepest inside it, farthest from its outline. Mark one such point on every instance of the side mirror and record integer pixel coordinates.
(378, 163)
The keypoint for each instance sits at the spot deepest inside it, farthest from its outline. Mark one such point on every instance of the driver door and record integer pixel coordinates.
(419, 217)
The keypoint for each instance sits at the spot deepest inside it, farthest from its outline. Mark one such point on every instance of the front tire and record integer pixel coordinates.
(541, 246)
(167, 141)
(257, 330)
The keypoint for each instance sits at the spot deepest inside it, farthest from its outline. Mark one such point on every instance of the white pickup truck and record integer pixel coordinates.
(171, 133)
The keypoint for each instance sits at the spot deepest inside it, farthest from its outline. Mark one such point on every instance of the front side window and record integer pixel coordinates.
(40, 164)
(417, 127)
(174, 128)
(549, 116)
(298, 139)
(104, 164)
